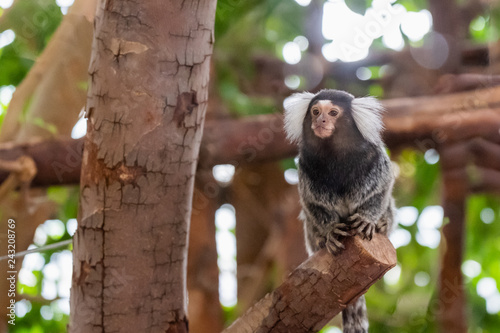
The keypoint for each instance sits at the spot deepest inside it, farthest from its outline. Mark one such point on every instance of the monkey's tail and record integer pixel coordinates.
(355, 317)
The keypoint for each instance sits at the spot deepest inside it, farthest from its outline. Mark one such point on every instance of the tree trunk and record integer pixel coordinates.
(146, 103)
(452, 313)
(50, 92)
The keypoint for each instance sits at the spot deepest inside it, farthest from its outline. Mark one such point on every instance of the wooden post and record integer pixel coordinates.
(451, 312)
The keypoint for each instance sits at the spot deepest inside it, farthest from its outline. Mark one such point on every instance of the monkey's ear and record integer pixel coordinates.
(367, 114)
(295, 112)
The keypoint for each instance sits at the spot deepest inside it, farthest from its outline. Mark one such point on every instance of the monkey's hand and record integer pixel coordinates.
(333, 243)
(362, 226)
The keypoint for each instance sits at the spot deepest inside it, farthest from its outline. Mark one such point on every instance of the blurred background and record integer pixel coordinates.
(245, 235)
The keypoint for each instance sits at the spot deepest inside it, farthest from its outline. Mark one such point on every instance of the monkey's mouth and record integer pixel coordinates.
(323, 132)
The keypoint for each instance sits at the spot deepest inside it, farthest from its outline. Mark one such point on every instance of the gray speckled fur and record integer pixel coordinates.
(373, 201)
(343, 180)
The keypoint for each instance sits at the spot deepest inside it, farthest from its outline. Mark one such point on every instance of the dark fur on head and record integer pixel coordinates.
(347, 134)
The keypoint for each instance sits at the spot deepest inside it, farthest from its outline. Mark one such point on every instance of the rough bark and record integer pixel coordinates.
(320, 288)
(146, 103)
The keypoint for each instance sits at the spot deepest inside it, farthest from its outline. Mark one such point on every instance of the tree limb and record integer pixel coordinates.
(57, 161)
(450, 83)
(320, 288)
(419, 122)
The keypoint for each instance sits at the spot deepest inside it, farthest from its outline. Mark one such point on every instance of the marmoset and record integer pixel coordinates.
(345, 174)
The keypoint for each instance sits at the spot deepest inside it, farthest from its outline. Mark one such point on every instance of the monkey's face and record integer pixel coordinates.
(324, 116)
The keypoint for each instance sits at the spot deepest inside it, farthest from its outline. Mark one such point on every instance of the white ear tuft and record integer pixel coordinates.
(367, 114)
(295, 112)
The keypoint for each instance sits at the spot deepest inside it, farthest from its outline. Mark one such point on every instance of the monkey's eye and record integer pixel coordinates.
(333, 113)
(315, 112)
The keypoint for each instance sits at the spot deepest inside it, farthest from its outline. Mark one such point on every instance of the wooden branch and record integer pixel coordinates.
(421, 122)
(451, 83)
(320, 288)
(429, 122)
(57, 161)
(240, 141)
(482, 175)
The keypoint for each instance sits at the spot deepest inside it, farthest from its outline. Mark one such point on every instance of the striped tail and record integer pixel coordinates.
(355, 317)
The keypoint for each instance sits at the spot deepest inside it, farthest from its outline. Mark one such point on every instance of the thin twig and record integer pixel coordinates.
(40, 249)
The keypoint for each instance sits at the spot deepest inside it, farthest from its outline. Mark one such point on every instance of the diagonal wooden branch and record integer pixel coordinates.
(320, 288)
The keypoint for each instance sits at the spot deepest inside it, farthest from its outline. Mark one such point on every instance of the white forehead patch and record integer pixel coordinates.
(324, 102)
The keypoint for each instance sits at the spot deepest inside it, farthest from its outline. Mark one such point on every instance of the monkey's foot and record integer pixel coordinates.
(362, 227)
(381, 227)
(333, 243)
(319, 242)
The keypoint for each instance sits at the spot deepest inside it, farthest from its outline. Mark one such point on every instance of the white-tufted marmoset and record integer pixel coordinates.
(345, 175)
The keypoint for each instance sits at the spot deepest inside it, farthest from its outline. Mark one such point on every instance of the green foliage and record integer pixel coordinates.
(34, 322)
(245, 30)
(51, 128)
(242, 104)
(33, 22)
(14, 66)
(47, 315)
(288, 163)
(376, 90)
(480, 30)
(414, 5)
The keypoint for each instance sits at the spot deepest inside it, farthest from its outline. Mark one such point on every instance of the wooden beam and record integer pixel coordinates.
(419, 122)
(320, 288)
(58, 161)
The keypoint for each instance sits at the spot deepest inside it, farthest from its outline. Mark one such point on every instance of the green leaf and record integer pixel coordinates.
(58, 194)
